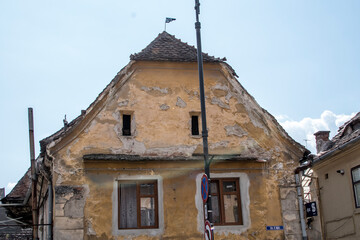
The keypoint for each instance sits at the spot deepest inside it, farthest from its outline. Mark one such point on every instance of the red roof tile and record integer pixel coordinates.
(166, 47)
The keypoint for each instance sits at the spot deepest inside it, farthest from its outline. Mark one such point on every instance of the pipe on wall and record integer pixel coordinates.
(50, 213)
(301, 205)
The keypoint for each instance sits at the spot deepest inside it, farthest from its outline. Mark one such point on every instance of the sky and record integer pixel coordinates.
(298, 59)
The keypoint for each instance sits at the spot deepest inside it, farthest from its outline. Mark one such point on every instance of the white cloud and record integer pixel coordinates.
(9, 187)
(303, 131)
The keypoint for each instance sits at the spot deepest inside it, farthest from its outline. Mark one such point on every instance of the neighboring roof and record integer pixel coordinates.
(166, 47)
(13, 228)
(19, 192)
(348, 134)
(20, 195)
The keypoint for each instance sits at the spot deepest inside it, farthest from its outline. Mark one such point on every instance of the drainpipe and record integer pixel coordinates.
(33, 176)
(50, 213)
(298, 172)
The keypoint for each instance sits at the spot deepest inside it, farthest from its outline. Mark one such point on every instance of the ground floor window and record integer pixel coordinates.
(230, 202)
(226, 202)
(355, 174)
(138, 204)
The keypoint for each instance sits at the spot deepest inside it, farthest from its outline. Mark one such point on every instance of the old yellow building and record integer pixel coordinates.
(129, 167)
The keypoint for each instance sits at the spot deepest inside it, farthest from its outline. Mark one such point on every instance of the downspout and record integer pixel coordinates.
(33, 176)
(298, 172)
(50, 213)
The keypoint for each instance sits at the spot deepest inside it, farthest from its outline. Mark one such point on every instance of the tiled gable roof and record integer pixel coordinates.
(166, 47)
(18, 193)
(349, 132)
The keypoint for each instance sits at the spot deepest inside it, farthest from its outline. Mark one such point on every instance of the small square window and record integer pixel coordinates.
(195, 125)
(126, 129)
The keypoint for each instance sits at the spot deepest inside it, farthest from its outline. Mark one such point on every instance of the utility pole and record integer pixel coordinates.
(33, 175)
(203, 110)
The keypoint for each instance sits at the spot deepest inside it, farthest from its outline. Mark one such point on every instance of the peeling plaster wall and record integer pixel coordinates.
(159, 97)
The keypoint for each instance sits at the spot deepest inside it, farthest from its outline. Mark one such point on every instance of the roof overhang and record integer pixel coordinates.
(327, 155)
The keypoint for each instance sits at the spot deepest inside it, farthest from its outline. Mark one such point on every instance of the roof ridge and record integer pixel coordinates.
(166, 47)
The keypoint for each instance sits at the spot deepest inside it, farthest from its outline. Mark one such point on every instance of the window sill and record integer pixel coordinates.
(139, 232)
(196, 136)
(124, 136)
(357, 211)
(226, 229)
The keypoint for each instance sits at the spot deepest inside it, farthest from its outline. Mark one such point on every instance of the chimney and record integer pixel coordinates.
(321, 137)
(2, 193)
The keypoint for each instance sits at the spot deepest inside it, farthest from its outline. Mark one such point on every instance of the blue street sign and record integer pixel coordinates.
(311, 209)
(269, 228)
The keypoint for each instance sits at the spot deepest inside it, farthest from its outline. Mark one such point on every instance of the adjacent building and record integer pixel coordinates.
(129, 167)
(14, 224)
(337, 167)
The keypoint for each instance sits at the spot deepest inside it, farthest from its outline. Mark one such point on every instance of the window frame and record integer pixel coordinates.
(356, 200)
(244, 182)
(221, 206)
(138, 202)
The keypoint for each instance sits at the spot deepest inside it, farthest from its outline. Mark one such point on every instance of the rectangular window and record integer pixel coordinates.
(226, 202)
(355, 174)
(195, 125)
(138, 204)
(126, 125)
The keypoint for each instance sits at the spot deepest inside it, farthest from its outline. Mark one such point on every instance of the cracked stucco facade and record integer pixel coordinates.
(160, 97)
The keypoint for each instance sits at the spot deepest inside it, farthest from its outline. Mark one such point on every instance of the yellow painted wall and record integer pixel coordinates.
(155, 94)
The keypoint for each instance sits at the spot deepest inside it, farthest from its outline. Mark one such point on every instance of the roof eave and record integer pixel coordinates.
(335, 151)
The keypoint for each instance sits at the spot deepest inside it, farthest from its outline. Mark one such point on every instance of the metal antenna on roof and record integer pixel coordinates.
(167, 20)
(306, 141)
(65, 122)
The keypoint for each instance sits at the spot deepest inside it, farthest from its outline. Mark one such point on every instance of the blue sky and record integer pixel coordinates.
(299, 59)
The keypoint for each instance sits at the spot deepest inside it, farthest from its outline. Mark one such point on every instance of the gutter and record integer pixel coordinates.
(337, 149)
(50, 212)
(298, 172)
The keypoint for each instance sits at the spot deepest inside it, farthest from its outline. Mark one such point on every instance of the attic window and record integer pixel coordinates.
(195, 125)
(126, 129)
(356, 126)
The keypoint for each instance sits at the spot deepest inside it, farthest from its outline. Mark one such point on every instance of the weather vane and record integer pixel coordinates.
(167, 20)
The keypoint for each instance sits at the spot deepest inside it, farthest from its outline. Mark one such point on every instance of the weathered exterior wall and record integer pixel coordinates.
(340, 216)
(315, 230)
(161, 98)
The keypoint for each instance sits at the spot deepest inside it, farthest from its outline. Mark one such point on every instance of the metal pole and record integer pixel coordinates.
(301, 205)
(33, 175)
(50, 216)
(203, 109)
